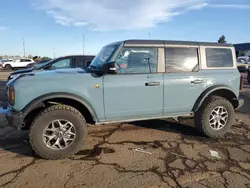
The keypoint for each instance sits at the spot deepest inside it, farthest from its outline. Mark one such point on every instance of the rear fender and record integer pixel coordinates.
(219, 90)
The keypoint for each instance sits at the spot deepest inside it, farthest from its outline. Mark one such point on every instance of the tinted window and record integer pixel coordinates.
(181, 59)
(137, 60)
(219, 57)
(80, 62)
(25, 60)
(83, 62)
(64, 63)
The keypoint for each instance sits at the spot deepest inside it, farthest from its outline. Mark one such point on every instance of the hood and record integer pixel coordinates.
(60, 71)
(47, 74)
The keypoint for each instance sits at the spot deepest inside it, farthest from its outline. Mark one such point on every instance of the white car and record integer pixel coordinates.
(243, 59)
(21, 63)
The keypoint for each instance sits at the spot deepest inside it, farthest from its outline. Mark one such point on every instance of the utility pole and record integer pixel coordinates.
(83, 44)
(23, 47)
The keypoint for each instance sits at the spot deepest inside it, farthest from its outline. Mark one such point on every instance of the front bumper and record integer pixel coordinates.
(15, 119)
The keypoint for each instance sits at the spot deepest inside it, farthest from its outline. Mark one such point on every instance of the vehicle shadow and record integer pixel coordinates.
(18, 142)
(184, 127)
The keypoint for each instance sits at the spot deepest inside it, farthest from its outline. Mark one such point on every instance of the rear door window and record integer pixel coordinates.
(181, 59)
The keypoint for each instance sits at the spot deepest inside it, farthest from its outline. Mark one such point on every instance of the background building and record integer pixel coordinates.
(242, 49)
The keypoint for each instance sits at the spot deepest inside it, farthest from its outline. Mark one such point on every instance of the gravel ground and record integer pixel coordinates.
(179, 157)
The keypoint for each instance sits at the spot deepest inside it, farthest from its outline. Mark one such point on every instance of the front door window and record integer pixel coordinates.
(137, 61)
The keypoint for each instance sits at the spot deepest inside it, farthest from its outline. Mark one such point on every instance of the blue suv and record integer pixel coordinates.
(127, 81)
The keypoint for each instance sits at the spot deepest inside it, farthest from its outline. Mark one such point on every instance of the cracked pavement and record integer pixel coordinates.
(179, 157)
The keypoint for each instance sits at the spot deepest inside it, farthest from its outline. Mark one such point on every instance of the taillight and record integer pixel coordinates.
(11, 95)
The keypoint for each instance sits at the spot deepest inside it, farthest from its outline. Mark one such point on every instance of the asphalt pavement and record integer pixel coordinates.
(159, 153)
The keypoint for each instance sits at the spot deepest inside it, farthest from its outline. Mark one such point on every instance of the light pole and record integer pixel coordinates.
(53, 51)
(149, 36)
(23, 47)
(83, 45)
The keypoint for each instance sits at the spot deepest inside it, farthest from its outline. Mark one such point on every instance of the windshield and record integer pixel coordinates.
(103, 56)
(40, 65)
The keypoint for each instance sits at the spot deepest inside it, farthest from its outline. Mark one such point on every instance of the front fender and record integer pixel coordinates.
(38, 102)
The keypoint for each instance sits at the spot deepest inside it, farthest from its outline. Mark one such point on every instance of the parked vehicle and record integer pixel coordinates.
(2, 62)
(243, 58)
(71, 61)
(21, 63)
(248, 75)
(127, 81)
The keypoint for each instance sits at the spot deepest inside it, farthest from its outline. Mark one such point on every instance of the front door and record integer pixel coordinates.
(136, 91)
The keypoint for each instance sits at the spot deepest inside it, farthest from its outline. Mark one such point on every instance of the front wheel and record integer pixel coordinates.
(8, 67)
(58, 132)
(215, 117)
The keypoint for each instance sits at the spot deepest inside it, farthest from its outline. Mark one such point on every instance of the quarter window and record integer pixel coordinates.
(137, 60)
(180, 60)
(216, 57)
(80, 62)
(83, 62)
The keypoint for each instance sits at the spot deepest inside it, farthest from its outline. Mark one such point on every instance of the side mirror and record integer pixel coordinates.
(109, 68)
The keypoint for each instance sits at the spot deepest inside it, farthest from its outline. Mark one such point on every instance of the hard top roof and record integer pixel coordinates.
(171, 42)
(78, 55)
(175, 42)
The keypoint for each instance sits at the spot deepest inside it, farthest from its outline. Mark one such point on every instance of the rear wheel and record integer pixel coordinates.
(215, 117)
(58, 132)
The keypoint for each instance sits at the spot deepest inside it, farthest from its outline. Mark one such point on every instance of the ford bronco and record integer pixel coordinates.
(127, 81)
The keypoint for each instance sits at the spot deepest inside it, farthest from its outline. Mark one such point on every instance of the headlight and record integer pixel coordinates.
(11, 96)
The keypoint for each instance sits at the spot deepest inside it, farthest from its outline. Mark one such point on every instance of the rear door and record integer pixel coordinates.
(183, 83)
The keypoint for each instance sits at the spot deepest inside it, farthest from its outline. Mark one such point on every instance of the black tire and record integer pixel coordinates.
(44, 119)
(202, 116)
(8, 67)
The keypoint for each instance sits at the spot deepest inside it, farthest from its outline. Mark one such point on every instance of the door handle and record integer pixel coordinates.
(197, 81)
(152, 84)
